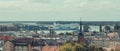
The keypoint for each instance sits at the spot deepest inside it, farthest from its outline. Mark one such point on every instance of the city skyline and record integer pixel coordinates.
(59, 10)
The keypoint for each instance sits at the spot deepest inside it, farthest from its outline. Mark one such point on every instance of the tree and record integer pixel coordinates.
(107, 28)
(66, 47)
(78, 47)
(91, 48)
(61, 34)
(117, 27)
(93, 33)
(67, 33)
(100, 49)
(94, 48)
(112, 50)
(86, 28)
(70, 46)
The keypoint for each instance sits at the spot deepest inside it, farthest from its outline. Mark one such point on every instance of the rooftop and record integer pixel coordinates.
(33, 42)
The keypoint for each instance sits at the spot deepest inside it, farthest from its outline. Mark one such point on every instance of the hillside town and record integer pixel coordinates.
(59, 25)
(31, 37)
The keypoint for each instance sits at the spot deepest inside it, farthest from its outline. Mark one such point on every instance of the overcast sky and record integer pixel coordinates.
(59, 10)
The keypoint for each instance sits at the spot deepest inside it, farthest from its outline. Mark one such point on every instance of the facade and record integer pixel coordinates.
(1, 45)
(28, 44)
(50, 48)
(8, 46)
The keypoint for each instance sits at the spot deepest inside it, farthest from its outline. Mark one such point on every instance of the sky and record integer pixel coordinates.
(59, 10)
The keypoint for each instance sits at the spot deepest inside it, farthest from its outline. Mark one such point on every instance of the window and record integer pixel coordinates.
(21, 48)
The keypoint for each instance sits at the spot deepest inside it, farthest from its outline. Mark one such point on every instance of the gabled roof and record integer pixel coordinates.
(33, 42)
(27, 41)
(38, 43)
(22, 41)
(51, 42)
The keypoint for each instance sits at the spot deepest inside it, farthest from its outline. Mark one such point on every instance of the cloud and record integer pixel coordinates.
(62, 8)
(93, 4)
(40, 1)
(102, 4)
(56, 5)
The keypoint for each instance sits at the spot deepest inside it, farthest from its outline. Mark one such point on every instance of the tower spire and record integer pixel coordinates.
(80, 35)
(80, 25)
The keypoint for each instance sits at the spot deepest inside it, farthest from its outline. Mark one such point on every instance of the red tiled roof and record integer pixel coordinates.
(50, 48)
(6, 38)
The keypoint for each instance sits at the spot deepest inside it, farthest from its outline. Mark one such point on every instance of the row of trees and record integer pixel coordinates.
(106, 28)
(8, 28)
(79, 47)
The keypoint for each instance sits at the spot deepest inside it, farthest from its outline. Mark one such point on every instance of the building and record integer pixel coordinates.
(29, 44)
(8, 46)
(80, 35)
(1, 45)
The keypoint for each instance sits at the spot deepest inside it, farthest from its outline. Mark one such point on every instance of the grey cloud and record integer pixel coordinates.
(7, 0)
(60, 9)
(40, 1)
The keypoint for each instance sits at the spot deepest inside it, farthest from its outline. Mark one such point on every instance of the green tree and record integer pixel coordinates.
(93, 33)
(67, 33)
(86, 28)
(107, 28)
(112, 50)
(78, 47)
(117, 27)
(61, 34)
(91, 48)
(100, 49)
(66, 47)
(70, 46)
(94, 48)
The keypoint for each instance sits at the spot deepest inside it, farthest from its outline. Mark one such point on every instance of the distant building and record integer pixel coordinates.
(1, 45)
(113, 35)
(52, 31)
(7, 36)
(28, 44)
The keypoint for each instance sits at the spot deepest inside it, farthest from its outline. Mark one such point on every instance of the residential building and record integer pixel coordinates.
(29, 44)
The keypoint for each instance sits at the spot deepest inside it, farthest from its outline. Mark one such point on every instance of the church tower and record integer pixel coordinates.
(80, 35)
